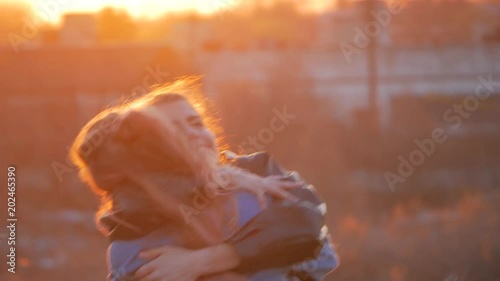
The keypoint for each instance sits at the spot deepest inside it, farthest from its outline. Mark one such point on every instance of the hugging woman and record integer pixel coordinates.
(175, 209)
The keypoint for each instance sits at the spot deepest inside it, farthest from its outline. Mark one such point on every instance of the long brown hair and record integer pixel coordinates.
(126, 143)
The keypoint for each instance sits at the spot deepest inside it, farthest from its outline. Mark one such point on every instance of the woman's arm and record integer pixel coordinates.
(223, 257)
(260, 186)
(217, 258)
(283, 236)
(170, 263)
(279, 236)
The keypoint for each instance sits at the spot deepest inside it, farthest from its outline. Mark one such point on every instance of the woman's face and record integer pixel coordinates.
(189, 122)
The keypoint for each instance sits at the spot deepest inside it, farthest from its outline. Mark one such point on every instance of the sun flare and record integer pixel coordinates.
(53, 10)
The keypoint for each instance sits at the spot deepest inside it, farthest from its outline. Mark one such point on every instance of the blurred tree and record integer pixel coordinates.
(115, 25)
(267, 25)
(281, 21)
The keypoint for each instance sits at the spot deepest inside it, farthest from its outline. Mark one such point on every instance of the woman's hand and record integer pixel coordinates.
(169, 263)
(273, 185)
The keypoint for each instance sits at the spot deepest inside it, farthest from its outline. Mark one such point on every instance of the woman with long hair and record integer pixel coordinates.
(174, 208)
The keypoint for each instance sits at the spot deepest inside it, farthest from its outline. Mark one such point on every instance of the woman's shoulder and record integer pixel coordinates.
(257, 156)
(261, 163)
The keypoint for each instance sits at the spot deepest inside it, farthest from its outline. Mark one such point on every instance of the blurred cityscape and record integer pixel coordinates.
(391, 109)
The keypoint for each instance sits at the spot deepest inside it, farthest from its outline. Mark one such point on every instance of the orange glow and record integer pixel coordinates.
(53, 10)
(24, 262)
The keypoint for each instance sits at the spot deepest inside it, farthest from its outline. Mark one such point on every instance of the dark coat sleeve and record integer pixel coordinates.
(285, 233)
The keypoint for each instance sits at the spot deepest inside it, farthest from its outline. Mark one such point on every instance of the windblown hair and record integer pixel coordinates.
(129, 143)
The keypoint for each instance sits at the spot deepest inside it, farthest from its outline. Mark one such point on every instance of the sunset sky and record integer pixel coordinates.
(149, 8)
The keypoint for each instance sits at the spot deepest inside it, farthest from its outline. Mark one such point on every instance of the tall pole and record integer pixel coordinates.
(372, 85)
(371, 53)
